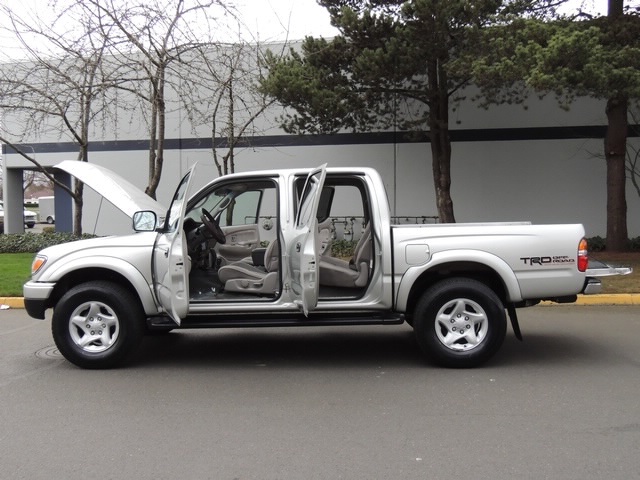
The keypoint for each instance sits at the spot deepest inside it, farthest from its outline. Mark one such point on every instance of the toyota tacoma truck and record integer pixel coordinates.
(260, 249)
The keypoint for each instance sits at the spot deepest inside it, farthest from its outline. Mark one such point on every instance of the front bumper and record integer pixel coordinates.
(36, 298)
(35, 308)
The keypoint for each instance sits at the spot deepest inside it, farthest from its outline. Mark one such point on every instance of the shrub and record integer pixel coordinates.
(343, 248)
(34, 242)
(599, 244)
(596, 244)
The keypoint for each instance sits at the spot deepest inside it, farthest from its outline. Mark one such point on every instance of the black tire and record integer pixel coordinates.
(97, 324)
(460, 323)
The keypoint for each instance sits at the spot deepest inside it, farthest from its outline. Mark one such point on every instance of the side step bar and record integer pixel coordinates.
(283, 319)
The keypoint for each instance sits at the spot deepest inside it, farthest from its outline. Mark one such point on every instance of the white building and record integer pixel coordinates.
(542, 164)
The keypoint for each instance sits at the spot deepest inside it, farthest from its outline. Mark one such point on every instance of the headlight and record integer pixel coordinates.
(38, 263)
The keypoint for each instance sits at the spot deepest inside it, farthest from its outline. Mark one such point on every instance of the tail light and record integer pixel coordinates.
(583, 256)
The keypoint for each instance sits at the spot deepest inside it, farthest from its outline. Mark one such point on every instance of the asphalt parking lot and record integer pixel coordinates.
(328, 403)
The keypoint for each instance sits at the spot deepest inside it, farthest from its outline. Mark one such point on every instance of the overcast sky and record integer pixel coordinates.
(275, 20)
(271, 19)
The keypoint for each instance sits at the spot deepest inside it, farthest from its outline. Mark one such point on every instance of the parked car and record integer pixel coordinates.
(30, 218)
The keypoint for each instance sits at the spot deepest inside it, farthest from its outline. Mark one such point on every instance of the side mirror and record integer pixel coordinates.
(144, 221)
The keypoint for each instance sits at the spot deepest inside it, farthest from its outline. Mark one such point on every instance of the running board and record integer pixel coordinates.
(227, 320)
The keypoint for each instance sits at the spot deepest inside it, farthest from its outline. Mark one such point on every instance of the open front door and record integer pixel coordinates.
(303, 255)
(170, 259)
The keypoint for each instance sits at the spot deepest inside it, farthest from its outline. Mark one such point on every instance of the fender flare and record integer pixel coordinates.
(140, 284)
(499, 266)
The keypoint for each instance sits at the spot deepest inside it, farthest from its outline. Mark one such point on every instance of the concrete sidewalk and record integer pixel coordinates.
(602, 299)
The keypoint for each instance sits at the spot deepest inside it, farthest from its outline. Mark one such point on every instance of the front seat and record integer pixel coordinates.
(258, 279)
(335, 272)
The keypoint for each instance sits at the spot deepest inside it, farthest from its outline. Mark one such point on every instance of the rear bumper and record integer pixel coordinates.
(597, 270)
(592, 286)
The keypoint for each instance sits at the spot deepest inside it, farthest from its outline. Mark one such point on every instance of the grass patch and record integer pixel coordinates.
(15, 271)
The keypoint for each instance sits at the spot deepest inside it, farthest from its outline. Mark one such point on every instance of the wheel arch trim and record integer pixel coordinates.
(116, 265)
(442, 259)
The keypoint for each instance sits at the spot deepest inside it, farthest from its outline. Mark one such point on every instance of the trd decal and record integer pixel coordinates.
(554, 260)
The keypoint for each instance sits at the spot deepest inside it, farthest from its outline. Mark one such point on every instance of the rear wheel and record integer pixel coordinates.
(460, 323)
(97, 324)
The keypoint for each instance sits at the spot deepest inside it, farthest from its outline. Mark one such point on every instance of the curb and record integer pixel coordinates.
(12, 302)
(608, 299)
(603, 299)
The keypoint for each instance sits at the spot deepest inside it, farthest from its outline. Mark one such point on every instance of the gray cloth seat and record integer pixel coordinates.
(258, 279)
(335, 272)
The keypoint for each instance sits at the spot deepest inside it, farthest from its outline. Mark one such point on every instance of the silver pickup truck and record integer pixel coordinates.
(260, 249)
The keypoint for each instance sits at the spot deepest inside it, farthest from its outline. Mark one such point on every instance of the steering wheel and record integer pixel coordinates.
(212, 227)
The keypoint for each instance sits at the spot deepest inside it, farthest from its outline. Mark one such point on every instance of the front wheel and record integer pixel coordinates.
(97, 324)
(460, 323)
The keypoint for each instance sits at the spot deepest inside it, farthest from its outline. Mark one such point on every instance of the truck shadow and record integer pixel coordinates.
(307, 347)
(551, 349)
(325, 347)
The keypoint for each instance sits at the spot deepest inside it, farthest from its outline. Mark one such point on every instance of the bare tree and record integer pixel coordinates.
(155, 37)
(55, 90)
(223, 93)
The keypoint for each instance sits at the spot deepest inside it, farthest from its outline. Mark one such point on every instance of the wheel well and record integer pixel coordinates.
(475, 271)
(86, 275)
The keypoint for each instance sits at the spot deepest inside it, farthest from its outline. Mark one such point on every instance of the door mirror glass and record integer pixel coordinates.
(144, 221)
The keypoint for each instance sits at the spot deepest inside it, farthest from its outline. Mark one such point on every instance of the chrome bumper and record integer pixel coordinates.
(596, 270)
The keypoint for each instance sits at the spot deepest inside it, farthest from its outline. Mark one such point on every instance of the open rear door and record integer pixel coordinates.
(170, 259)
(303, 255)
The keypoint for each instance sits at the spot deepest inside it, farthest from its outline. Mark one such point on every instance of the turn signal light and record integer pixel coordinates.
(37, 264)
(583, 255)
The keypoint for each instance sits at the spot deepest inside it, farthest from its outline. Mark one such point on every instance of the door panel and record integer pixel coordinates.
(303, 254)
(171, 263)
(241, 241)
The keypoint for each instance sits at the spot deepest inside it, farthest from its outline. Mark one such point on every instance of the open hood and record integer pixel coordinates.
(124, 195)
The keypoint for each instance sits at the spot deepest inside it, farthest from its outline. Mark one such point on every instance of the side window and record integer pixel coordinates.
(243, 209)
(343, 206)
(252, 203)
(348, 214)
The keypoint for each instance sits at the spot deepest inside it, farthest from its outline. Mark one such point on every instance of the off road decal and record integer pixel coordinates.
(541, 261)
